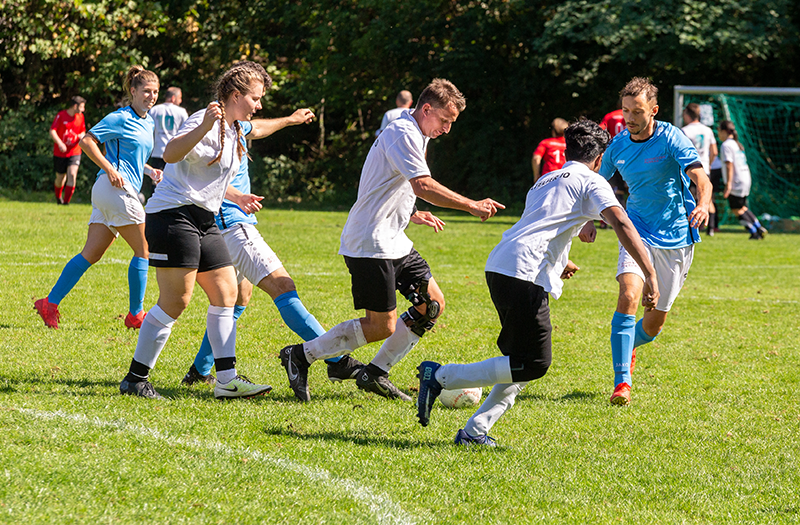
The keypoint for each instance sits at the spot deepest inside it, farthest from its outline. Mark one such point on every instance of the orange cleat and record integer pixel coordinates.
(135, 321)
(48, 311)
(621, 395)
(633, 360)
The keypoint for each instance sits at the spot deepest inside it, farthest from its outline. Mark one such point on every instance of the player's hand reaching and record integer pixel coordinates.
(426, 218)
(650, 293)
(699, 216)
(248, 202)
(569, 270)
(485, 208)
(213, 114)
(588, 233)
(302, 116)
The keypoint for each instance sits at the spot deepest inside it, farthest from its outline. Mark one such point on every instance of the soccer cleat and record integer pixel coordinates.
(238, 387)
(379, 384)
(194, 376)
(135, 321)
(633, 360)
(762, 232)
(429, 390)
(343, 369)
(462, 438)
(297, 371)
(621, 395)
(139, 388)
(48, 311)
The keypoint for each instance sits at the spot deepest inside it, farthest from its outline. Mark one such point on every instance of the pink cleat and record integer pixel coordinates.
(48, 311)
(135, 321)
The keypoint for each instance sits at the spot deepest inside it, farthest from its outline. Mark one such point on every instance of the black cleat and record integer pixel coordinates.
(193, 376)
(139, 388)
(345, 368)
(429, 390)
(379, 384)
(297, 370)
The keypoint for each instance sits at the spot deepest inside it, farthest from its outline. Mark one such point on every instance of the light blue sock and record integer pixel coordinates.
(137, 283)
(298, 319)
(641, 337)
(623, 331)
(69, 277)
(204, 359)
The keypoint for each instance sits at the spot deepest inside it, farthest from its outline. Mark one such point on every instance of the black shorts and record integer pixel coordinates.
(186, 237)
(374, 281)
(157, 163)
(735, 203)
(716, 180)
(524, 312)
(60, 164)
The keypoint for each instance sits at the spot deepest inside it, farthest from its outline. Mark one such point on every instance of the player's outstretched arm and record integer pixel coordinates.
(248, 202)
(426, 218)
(629, 238)
(428, 189)
(699, 216)
(264, 127)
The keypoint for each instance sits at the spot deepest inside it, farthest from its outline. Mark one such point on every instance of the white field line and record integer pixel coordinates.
(381, 506)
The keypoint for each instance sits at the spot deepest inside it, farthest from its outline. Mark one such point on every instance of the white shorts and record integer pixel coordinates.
(252, 256)
(115, 207)
(672, 268)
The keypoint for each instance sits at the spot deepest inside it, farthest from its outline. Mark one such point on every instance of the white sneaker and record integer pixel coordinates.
(239, 386)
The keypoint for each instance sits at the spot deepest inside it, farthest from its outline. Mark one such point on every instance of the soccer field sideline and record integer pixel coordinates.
(727, 456)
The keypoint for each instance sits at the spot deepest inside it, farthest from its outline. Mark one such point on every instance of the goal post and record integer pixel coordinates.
(767, 121)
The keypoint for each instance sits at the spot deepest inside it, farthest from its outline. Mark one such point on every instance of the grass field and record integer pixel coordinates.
(712, 434)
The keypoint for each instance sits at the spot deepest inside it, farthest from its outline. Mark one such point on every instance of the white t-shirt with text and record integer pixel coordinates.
(702, 137)
(168, 119)
(536, 248)
(730, 152)
(375, 227)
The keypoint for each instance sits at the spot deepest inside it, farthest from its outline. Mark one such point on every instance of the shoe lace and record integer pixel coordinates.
(244, 379)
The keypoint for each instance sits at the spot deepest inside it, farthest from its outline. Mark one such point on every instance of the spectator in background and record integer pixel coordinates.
(168, 116)
(614, 122)
(706, 145)
(737, 179)
(67, 130)
(549, 154)
(403, 101)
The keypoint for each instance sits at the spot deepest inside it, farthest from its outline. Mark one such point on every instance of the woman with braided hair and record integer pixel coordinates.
(185, 244)
(127, 135)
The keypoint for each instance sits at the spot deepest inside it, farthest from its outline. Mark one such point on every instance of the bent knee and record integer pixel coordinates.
(529, 369)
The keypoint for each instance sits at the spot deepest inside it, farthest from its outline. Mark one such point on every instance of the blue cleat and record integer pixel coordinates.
(429, 390)
(462, 438)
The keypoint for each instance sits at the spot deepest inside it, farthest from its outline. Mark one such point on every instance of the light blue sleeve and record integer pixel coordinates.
(110, 127)
(607, 168)
(682, 149)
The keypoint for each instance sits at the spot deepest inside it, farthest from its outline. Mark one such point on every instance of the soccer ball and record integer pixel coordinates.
(461, 397)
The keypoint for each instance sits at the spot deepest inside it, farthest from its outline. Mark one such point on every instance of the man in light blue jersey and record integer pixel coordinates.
(256, 262)
(657, 161)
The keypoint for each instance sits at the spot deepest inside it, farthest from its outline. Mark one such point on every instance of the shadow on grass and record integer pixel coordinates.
(576, 396)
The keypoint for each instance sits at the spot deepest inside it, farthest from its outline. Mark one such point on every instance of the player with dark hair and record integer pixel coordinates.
(706, 145)
(528, 264)
(67, 130)
(380, 257)
(549, 154)
(737, 179)
(657, 161)
(127, 136)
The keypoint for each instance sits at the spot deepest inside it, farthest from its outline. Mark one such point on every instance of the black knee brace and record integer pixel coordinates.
(528, 369)
(417, 322)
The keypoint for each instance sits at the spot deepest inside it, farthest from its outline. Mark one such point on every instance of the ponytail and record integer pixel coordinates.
(728, 127)
(135, 77)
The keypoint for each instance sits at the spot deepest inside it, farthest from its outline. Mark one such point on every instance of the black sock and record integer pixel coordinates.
(375, 370)
(137, 373)
(224, 363)
(300, 355)
(712, 219)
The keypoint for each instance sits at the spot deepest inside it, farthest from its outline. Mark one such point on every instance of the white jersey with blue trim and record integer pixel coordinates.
(128, 140)
(230, 214)
(655, 172)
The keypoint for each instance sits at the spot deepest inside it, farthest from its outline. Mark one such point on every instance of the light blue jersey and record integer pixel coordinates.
(655, 171)
(128, 139)
(230, 214)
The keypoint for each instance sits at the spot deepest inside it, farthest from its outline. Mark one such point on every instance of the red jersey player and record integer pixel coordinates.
(549, 154)
(613, 122)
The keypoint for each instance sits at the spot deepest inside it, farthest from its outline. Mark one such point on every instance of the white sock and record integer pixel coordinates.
(221, 329)
(484, 373)
(396, 346)
(153, 335)
(339, 340)
(499, 400)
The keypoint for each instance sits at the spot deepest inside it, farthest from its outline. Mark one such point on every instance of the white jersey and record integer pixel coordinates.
(375, 227)
(389, 117)
(168, 119)
(536, 248)
(192, 180)
(702, 137)
(730, 152)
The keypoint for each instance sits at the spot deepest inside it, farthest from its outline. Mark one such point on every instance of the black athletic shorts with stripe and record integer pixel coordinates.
(374, 281)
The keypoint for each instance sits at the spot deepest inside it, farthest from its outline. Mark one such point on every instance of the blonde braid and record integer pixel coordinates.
(221, 134)
(239, 136)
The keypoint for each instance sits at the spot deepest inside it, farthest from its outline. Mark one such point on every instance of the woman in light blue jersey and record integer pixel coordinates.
(127, 135)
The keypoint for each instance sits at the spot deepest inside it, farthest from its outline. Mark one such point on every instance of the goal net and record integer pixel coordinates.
(767, 121)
